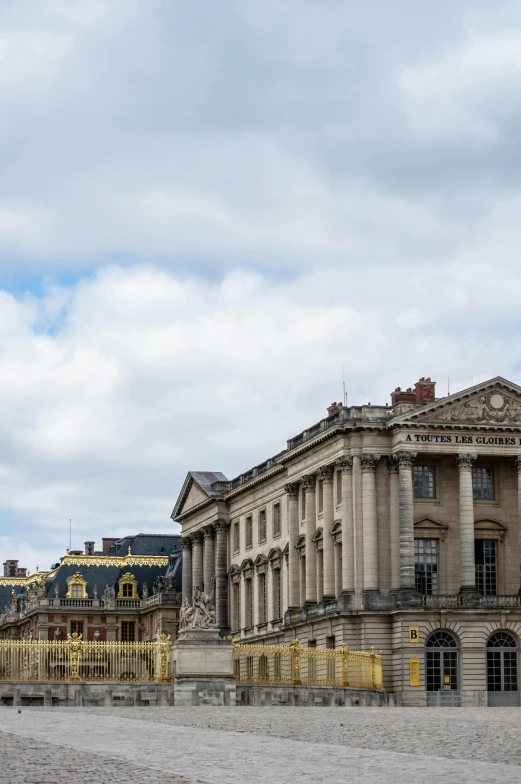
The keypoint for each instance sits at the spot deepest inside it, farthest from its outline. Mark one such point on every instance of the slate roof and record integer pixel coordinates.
(147, 544)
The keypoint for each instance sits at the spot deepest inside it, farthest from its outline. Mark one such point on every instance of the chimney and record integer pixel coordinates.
(89, 548)
(425, 390)
(403, 396)
(10, 568)
(107, 542)
(334, 408)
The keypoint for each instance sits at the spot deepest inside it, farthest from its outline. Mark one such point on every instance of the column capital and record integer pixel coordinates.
(292, 489)
(186, 543)
(326, 473)
(208, 532)
(369, 462)
(517, 462)
(196, 537)
(345, 463)
(392, 464)
(221, 525)
(404, 459)
(465, 460)
(309, 481)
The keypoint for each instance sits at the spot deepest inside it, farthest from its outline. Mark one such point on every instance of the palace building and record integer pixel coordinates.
(395, 526)
(130, 591)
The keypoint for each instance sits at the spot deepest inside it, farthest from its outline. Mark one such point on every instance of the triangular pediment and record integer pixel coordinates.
(496, 402)
(198, 487)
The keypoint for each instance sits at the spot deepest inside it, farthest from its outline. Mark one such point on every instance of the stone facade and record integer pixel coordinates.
(394, 526)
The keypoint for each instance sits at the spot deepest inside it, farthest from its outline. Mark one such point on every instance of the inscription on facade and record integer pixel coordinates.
(436, 438)
(414, 672)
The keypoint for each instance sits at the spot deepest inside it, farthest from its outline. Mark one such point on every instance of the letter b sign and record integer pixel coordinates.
(414, 635)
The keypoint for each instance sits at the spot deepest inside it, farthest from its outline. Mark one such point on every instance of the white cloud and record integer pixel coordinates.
(32, 54)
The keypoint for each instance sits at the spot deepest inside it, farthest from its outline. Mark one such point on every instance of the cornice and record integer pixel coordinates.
(256, 480)
(420, 425)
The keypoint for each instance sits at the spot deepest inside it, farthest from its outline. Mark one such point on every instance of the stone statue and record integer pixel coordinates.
(57, 590)
(201, 614)
(97, 635)
(95, 592)
(160, 584)
(57, 634)
(145, 590)
(109, 597)
(171, 583)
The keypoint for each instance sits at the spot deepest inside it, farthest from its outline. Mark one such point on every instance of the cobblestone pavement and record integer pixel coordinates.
(254, 745)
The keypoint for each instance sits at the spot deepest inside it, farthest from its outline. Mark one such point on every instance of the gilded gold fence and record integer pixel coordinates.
(295, 665)
(75, 659)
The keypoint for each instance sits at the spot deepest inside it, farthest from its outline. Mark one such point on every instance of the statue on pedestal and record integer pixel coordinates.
(201, 613)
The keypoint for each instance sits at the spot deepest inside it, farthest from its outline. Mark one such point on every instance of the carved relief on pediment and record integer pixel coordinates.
(494, 407)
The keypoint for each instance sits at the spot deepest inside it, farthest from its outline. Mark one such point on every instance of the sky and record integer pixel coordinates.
(212, 211)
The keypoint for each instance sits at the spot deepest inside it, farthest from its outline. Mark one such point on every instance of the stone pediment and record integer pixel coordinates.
(495, 403)
(198, 487)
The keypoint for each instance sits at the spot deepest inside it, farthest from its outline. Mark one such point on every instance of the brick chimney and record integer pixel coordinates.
(403, 396)
(89, 548)
(107, 542)
(334, 408)
(425, 390)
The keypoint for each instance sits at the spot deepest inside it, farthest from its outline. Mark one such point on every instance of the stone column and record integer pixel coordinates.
(328, 544)
(292, 490)
(466, 523)
(209, 559)
(197, 559)
(517, 461)
(221, 576)
(405, 520)
(369, 522)
(348, 550)
(394, 520)
(187, 588)
(310, 482)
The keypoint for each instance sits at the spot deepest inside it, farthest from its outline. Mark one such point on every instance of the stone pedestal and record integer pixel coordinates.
(203, 664)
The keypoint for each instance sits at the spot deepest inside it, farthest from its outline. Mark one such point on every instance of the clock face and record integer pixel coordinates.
(497, 401)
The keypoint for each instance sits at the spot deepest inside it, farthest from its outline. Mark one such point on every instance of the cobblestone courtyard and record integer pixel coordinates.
(218, 745)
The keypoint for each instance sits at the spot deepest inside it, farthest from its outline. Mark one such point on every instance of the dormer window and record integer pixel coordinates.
(128, 587)
(76, 587)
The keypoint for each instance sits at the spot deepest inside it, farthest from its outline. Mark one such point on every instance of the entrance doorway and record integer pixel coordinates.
(442, 670)
(502, 670)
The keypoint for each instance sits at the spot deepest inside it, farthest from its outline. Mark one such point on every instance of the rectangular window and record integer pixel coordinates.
(276, 520)
(424, 484)
(77, 591)
(237, 604)
(128, 590)
(128, 631)
(320, 496)
(236, 537)
(77, 627)
(262, 525)
(248, 536)
(249, 602)
(485, 552)
(303, 503)
(338, 488)
(482, 484)
(262, 598)
(277, 594)
(426, 565)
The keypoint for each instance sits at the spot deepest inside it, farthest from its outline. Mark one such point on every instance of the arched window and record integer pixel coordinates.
(441, 662)
(502, 663)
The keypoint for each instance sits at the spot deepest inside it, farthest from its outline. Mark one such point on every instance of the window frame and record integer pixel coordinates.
(417, 576)
(430, 467)
(493, 480)
(276, 516)
(262, 525)
(128, 625)
(248, 532)
(236, 533)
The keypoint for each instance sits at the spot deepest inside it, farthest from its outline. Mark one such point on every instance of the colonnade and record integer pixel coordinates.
(205, 565)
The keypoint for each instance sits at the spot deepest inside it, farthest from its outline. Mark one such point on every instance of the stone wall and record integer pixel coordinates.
(313, 696)
(88, 694)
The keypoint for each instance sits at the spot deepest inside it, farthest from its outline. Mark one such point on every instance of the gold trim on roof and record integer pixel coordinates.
(113, 560)
(22, 581)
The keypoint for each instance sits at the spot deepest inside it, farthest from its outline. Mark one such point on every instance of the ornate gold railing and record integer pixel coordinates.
(75, 659)
(295, 665)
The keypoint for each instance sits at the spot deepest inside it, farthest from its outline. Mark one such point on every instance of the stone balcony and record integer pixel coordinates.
(471, 602)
